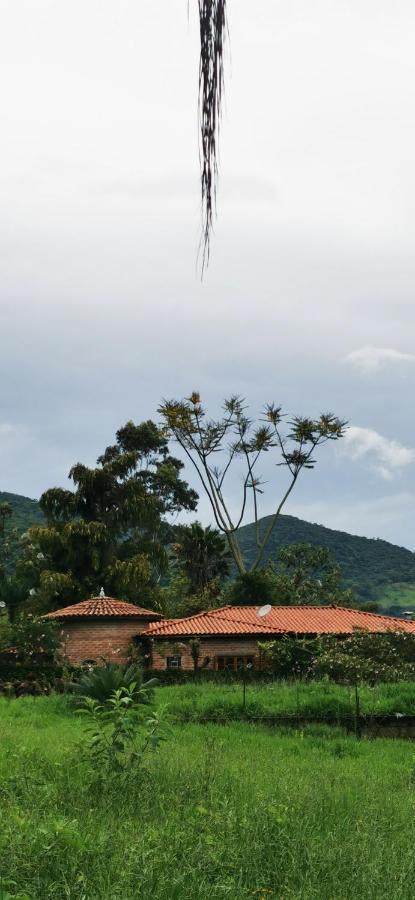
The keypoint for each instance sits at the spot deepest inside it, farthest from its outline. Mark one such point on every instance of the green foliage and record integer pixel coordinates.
(102, 681)
(291, 657)
(303, 574)
(33, 639)
(306, 574)
(201, 554)
(357, 658)
(106, 530)
(365, 657)
(5, 884)
(25, 512)
(10, 590)
(251, 589)
(113, 733)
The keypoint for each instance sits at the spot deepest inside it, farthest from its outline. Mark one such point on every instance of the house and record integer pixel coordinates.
(101, 628)
(105, 628)
(229, 636)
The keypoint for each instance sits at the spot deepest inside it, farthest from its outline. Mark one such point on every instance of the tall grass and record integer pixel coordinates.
(231, 811)
(322, 700)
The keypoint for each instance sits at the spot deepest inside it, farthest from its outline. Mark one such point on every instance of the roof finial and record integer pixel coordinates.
(102, 592)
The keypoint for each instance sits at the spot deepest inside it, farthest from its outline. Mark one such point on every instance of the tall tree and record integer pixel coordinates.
(215, 446)
(107, 529)
(11, 591)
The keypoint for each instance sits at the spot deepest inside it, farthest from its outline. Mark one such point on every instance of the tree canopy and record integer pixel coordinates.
(108, 529)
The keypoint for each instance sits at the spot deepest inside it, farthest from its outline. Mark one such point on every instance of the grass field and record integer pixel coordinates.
(324, 699)
(234, 811)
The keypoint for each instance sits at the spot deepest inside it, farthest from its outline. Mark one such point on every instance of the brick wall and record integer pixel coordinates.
(95, 638)
(210, 647)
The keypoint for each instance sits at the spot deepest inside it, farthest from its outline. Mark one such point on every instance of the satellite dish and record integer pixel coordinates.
(264, 610)
(2, 604)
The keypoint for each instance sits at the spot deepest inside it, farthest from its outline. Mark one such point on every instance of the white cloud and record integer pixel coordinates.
(384, 456)
(6, 429)
(372, 359)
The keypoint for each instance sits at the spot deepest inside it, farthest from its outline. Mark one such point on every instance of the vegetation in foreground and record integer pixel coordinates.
(231, 811)
(312, 699)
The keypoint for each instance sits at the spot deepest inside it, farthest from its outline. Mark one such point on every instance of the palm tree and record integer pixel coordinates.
(202, 555)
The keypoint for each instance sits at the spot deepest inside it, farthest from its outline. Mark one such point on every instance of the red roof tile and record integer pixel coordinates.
(103, 606)
(232, 620)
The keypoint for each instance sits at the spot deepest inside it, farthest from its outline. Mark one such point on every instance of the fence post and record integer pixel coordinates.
(356, 711)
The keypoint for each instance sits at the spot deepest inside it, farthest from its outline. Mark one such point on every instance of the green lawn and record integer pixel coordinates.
(193, 702)
(234, 811)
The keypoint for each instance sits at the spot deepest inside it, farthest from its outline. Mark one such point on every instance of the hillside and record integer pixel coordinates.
(369, 566)
(26, 512)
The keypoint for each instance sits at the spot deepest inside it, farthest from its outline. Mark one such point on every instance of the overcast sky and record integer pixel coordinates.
(308, 300)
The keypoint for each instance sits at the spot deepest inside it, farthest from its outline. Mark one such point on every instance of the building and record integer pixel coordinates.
(101, 628)
(228, 637)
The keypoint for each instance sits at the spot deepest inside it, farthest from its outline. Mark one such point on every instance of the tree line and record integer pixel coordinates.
(114, 526)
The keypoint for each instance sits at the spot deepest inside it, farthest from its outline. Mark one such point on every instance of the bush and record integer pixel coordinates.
(33, 640)
(101, 683)
(365, 657)
(9, 668)
(113, 745)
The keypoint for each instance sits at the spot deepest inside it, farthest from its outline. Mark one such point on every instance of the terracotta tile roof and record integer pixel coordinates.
(103, 606)
(237, 620)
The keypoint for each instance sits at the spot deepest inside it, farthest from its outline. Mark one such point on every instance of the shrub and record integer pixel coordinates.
(291, 657)
(113, 744)
(365, 657)
(101, 683)
(33, 640)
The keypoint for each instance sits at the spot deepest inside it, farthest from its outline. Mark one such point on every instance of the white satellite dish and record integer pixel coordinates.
(2, 604)
(264, 610)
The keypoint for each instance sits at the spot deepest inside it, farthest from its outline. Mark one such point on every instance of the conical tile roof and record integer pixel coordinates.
(103, 607)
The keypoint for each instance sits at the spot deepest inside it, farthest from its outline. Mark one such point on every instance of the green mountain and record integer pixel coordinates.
(26, 512)
(375, 569)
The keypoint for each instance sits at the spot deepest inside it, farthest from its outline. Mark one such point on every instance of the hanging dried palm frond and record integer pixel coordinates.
(212, 15)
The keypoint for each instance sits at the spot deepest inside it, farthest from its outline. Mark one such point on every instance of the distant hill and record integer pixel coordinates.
(375, 569)
(26, 512)
(370, 566)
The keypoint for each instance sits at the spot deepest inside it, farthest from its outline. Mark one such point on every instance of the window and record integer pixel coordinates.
(234, 663)
(174, 662)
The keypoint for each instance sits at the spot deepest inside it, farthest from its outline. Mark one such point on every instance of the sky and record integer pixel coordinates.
(308, 299)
